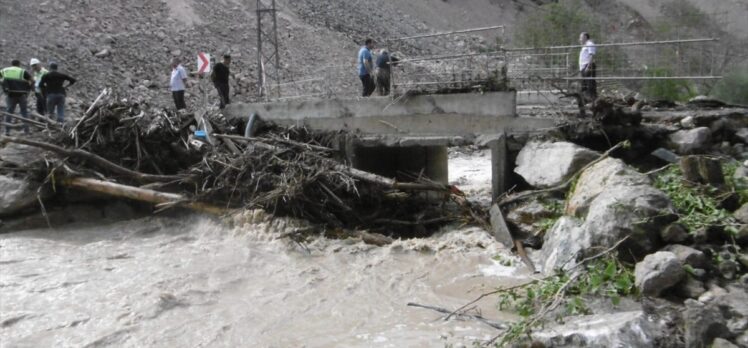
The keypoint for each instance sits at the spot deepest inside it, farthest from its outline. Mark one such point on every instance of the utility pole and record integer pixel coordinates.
(268, 60)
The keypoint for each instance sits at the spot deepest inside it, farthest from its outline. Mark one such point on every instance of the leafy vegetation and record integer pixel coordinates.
(606, 277)
(673, 90)
(697, 205)
(733, 88)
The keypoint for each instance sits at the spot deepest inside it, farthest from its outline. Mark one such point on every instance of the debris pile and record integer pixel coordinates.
(200, 160)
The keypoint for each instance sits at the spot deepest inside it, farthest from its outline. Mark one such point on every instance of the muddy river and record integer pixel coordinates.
(194, 282)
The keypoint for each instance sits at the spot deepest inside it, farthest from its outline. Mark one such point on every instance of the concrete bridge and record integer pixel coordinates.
(408, 134)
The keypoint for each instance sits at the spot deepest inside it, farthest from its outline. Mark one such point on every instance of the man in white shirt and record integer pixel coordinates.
(587, 67)
(177, 83)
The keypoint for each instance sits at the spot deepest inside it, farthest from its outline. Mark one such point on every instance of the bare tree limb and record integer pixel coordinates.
(100, 161)
(478, 317)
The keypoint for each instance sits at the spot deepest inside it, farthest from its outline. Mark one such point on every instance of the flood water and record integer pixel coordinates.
(195, 282)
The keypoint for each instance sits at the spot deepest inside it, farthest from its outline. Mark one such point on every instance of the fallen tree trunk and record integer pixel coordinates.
(141, 194)
(100, 161)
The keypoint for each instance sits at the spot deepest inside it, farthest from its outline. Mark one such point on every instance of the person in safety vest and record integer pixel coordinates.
(41, 98)
(16, 83)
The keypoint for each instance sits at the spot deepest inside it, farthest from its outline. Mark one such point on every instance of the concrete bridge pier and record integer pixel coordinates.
(499, 166)
(422, 156)
(396, 162)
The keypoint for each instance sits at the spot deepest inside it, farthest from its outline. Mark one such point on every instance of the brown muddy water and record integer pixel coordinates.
(194, 282)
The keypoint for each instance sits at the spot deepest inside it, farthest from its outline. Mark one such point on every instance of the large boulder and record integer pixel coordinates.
(691, 141)
(547, 164)
(658, 272)
(611, 201)
(623, 329)
(637, 212)
(596, 179)
(16, 195)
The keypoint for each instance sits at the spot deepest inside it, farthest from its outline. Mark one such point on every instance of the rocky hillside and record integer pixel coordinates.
(127, 45)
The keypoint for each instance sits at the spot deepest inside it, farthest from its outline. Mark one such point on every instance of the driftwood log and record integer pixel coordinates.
(141, 194)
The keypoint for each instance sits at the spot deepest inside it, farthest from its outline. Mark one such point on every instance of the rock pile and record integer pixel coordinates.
(612, 204)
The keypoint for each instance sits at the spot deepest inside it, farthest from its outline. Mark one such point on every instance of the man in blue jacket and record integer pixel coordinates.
(365, 67)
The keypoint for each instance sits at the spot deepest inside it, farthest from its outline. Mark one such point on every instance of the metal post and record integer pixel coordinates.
(268, 59)
(277, 56)
(260, 69)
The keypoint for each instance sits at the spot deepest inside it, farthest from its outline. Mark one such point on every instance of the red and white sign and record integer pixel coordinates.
(203, 63)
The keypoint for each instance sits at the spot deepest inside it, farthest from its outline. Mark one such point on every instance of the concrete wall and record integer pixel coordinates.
(481, 104)
(444, 114)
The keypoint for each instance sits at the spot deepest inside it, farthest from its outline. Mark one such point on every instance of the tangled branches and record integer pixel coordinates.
(202, 158)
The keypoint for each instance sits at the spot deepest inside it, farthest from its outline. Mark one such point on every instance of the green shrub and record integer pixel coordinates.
(673, 90)
(733, 88)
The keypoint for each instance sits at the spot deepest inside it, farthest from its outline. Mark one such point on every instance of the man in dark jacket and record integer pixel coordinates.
(384, 70)
(220, 78)
(16, 85)
(52, 87)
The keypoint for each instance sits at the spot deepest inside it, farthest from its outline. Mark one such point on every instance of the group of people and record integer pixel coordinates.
(375, 75)
(48, 87)
(178, 82)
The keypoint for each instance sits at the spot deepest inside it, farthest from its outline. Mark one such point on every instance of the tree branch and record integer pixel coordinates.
(100, 161)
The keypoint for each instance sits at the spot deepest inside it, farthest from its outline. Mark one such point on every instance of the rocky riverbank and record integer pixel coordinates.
(636, 250)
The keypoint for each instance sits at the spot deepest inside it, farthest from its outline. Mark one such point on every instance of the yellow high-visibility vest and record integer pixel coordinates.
(12, 73)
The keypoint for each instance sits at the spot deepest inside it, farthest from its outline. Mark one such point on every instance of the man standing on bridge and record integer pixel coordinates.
(384, 70)
(365, 67)
(220, 78)
(178, 83)
(587, 67)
